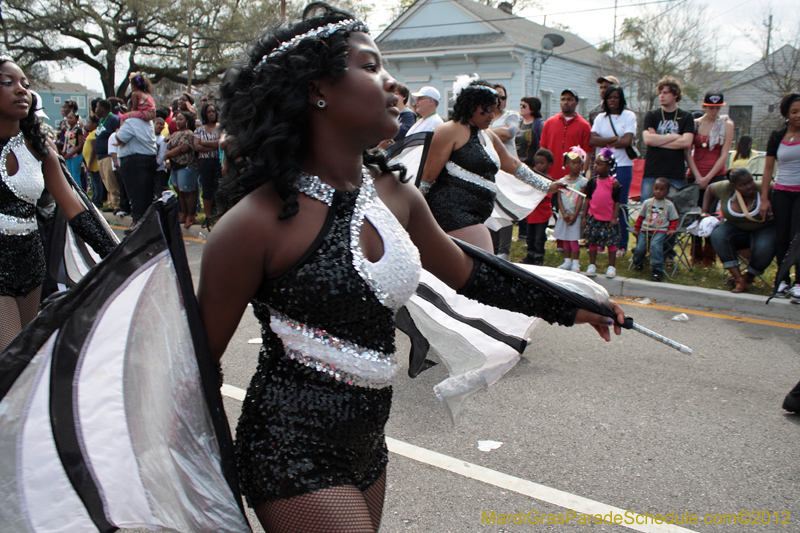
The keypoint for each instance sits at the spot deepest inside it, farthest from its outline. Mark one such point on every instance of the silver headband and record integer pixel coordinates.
(321, 32)
(483, 88)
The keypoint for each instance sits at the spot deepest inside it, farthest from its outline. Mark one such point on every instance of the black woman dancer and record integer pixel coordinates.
(28, 164)
(459, 175)
(327, 243)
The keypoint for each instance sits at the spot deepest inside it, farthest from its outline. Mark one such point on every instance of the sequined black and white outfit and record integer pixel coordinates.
(464, 193)
(22, 264)
(315, 410)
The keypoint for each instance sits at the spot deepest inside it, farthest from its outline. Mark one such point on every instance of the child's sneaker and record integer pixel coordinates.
(638, 267)
(611, 272)
(591, 271)
(576, 266)
(566, 265)
(658, 275)
(795, 294)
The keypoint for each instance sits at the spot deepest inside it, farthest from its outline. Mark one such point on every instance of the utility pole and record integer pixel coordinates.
(769, 33)
(614, 43)
(189, 66)
(283, 11)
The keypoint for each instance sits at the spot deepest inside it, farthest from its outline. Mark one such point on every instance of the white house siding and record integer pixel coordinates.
(496, 68)
(556, 75)
(436, 40)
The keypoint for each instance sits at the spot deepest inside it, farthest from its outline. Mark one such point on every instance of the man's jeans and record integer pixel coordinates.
(656, 241)
(727, 239)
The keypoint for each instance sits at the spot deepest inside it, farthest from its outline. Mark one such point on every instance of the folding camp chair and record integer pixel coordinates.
(685, 200)
(756, 166)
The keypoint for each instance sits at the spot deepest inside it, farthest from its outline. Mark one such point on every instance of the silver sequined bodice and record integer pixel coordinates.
(392, 280)
(26, 185)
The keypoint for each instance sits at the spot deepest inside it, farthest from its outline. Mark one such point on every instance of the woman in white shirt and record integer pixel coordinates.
(616, 128)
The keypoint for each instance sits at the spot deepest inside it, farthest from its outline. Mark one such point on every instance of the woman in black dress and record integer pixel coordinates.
(327, 243)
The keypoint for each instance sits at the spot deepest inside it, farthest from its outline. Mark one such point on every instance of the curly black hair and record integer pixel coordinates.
(471, 98)
(31, 125)
(140, 82)
(191, 122)
(265, 106)
(786, 103)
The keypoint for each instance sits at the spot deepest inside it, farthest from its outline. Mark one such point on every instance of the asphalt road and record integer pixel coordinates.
(629, 425)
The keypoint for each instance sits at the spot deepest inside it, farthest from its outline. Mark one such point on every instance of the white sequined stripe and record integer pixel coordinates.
(526, 175)
(315, 188)
(11, 225)
(395, 276)
(344, 361)
(466, 175)
(28, 183)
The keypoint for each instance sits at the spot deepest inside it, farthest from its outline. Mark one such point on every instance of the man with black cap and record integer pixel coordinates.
(605, 82)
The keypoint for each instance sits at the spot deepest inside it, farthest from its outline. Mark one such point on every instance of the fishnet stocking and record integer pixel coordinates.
(342, 509)
(15, 313)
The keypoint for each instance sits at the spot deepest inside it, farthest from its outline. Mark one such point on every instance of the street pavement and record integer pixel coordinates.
(594, 427)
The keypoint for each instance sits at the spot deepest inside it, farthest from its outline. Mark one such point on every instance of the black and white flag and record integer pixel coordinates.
(110, 410)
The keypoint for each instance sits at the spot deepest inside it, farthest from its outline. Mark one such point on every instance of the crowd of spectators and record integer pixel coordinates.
(128, 152)
(125, 153)
(682, 151)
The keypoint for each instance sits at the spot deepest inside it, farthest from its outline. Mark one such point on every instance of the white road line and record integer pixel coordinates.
(233, 392)
(504, 481)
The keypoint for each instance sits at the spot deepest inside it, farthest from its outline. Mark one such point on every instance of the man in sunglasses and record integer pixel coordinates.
(506, 124)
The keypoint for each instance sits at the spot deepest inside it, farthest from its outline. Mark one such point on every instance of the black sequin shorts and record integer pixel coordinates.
(302, 431)
(22, 266)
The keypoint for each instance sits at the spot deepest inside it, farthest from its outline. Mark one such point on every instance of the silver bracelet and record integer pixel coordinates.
(532, 178)
(424, 187)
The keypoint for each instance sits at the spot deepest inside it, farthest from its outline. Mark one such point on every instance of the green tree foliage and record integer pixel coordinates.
(152, 36)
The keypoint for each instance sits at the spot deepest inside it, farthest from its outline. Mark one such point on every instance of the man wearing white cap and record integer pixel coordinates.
(426, 100)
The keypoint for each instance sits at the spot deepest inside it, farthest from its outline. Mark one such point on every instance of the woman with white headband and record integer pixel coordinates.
(327, 243)
(459, 175)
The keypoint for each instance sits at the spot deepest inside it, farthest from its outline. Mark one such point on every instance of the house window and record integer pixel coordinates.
(81, 102)
(741, 116)
(448, 98)
(771, 108)
(545, 97)
(582, 108)
(56, 99)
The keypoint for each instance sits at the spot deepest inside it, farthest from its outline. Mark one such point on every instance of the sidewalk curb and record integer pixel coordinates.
(714, 299)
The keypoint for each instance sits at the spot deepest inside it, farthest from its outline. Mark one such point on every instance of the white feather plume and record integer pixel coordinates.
(461, 83)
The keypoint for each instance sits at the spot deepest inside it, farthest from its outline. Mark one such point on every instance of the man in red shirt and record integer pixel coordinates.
(565, 130)
(560, 133)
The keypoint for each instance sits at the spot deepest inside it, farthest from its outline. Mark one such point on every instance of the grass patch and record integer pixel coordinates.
(713, 277)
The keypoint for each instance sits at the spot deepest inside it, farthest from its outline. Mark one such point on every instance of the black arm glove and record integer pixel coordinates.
(89, 229)
(498, 287)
